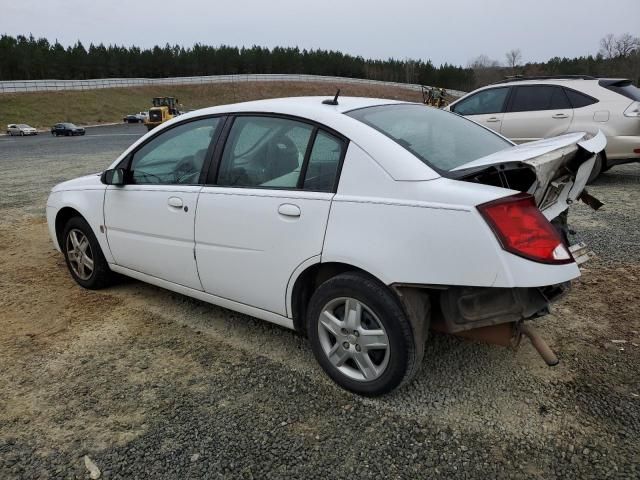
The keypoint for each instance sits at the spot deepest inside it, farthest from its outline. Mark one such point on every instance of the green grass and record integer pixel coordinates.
(43, 109)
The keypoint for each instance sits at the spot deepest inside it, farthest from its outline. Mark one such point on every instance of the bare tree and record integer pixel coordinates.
(608, 46)
(482, 62)
(514, 57)
(621, 46)
(626, 44)
(486, 70)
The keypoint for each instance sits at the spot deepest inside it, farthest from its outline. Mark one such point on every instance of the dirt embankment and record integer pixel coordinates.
(43, 109)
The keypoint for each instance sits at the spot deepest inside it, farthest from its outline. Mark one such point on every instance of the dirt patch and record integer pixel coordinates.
(152, 384)
(104, 372)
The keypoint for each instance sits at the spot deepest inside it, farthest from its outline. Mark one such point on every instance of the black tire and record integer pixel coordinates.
(598, 167)
(101, 276)
(404, 356)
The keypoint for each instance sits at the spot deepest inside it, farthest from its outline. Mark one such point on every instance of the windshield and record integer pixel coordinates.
(69, 125)
(24, 125)
(440, 139)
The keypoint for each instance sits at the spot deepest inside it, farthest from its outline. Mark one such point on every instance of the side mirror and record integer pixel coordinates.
(113, 176)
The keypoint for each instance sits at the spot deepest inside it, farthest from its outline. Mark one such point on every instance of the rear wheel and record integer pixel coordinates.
(598, 167)
(360, 335)
(22, 134)
(83, 255)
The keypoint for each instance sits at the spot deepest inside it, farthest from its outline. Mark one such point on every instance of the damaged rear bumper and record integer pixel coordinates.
(467, 308)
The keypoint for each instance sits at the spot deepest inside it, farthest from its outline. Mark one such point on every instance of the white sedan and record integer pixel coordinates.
(21, 129)
(361, 223)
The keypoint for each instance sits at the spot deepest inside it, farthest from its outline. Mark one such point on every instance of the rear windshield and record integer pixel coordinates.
(440, 139)
(623, 87)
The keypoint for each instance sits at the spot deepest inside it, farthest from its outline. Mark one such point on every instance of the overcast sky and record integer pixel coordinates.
(452, 31)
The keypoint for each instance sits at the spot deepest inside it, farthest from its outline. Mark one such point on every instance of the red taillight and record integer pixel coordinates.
(523, 230)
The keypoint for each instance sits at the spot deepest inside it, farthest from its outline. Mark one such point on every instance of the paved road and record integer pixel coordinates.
(30, 166)
(114, 138)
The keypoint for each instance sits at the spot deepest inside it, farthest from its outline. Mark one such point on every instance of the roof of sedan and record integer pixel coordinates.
(309, 104)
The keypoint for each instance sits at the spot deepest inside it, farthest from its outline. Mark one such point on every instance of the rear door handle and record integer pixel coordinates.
(289, 210)
(560, 115)
(493, 119)
(175, 202)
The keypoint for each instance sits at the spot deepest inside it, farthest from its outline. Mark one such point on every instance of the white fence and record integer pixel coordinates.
(19, 86)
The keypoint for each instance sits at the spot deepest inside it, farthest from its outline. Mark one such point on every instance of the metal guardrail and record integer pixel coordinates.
(20, 86)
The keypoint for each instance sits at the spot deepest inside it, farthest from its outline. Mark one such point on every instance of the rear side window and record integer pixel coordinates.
(324, 162)
(538, 97)
(264, 152)
(623, 87)
(483, 103)
(579, 100)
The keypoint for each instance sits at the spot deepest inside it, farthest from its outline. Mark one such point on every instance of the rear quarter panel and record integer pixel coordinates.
(425, 232)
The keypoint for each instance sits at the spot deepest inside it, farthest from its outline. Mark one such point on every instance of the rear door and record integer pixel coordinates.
(485, 107)
(536, 111)
(265, 211)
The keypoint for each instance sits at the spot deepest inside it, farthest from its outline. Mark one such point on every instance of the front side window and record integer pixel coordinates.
(264, 152)
(175, 156)
(539, 97)
(483, 103)
(440, 139)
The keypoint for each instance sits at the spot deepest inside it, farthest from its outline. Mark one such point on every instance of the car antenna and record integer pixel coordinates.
(332, 102)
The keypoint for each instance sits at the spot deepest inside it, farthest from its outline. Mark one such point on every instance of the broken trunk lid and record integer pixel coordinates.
(561, 165)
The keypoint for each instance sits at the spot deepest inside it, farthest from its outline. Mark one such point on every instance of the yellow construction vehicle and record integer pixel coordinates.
(435, 97)
(164, 108)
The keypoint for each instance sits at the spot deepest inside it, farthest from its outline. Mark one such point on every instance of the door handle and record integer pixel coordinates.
(493, 119)
(289, 210)
(560, 115)
(175, 202)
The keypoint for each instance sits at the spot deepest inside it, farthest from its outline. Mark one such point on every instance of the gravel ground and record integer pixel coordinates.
(151, 384)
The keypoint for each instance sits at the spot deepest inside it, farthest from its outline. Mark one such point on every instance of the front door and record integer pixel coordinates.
(267, 210)
(150, 220)
(485, 107)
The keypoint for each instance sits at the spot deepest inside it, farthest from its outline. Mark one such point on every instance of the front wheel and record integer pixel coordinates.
(83, 255)
(361, 335)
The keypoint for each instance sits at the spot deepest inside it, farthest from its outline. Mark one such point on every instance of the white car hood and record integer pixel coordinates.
(88, 182)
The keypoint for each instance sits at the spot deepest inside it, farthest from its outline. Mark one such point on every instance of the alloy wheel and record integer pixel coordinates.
(354, 339)
(79, 254)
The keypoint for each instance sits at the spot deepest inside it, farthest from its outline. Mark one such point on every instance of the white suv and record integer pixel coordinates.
(525, 109)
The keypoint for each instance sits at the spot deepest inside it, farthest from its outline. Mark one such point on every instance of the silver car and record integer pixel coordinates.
(525, 109)
(21, 129)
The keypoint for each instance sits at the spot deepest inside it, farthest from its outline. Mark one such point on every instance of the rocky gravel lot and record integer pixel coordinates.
(151, 384)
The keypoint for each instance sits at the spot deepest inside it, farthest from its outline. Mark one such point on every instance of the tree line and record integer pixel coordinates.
(28, 58)
(618, 56)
